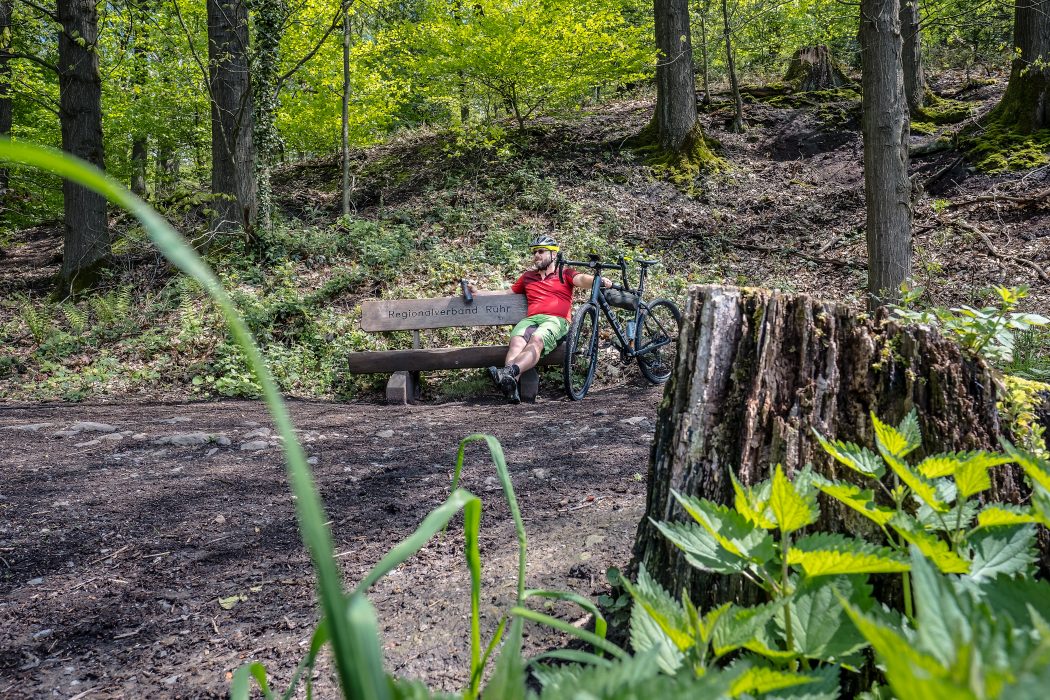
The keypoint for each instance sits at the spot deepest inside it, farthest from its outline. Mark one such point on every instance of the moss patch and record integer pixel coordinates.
(682, 167)
(1000, 148)
(940, 110)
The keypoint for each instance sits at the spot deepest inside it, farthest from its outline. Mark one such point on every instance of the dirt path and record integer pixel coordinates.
(122, 526)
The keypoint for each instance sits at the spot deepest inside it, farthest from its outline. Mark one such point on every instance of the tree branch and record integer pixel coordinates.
(995, 252)
(34, 59)
(337, 21)
(42, 10)
(189, 42)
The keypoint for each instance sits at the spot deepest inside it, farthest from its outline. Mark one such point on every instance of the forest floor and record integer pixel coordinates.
(149, 549)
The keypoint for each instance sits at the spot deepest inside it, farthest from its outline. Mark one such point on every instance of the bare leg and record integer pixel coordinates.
(517, 344)
(529, 355)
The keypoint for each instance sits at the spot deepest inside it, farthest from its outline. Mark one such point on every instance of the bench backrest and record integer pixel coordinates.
(442, 312)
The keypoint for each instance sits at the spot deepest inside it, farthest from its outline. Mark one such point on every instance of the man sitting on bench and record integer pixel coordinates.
(549, 304)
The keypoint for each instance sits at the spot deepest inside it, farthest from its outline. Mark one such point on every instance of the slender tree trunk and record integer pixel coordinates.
(887, 189)
(6, 107)
(914, 75)
(87, 242)
(232, 144)
(346, 113)
(139, 148)
(757, 371)
(675, 117)
(738, 123)
(705, 8)
(268, 21)
(1026, 104)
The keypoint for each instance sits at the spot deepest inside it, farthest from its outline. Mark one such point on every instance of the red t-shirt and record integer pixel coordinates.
(546, 295)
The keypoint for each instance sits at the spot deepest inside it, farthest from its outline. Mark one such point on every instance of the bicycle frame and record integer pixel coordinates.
(597, 297)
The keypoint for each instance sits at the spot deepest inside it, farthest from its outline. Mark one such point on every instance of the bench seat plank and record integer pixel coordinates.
(437, 358)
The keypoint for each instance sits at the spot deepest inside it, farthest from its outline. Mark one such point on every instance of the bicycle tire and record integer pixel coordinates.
(658, 317)
(581, 352)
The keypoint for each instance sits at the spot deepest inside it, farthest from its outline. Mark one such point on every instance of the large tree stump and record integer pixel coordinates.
(757, 370)
(812, 68)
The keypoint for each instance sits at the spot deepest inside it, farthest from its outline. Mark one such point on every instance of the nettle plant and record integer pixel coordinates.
(974, 620)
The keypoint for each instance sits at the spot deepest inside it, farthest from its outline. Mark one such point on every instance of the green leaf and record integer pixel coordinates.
(792, 510)
(240, 686)
(972, 478)
(909, 428)
(1003, 551)
(229, 602)
(823, 685)
(648, 636)
(910, 672)
(732, 531)
(701, 548)
(931, 546)
(832, 555)
(1037, 468)
(857, 458)
(892, 441)
(739, 626)
(941, 619)
(664, 610)
(762, 679)
(820, 627)
(753, 503)
(860, 500)
(922, 489)
(508, 675)
(996, 514)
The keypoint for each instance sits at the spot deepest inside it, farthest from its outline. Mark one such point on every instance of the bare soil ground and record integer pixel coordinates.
(118, 544)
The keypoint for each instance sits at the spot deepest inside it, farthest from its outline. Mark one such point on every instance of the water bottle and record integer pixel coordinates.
(630, 334)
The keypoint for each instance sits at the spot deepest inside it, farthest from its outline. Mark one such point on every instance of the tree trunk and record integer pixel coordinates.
(914, 76)
(738, 121)
(269, 16)
(757, 371)
(5, 84)
(675, 117)
(346, 113)
(1026, 104)
(87, 243)
(887, 189)
(232, 144)
(139, 150)
(703, 50)
(812, 68)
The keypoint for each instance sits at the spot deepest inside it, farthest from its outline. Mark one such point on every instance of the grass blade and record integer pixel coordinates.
(434, 523)
(308, 506)
(589, 637)
(240, 686)
(599, 620)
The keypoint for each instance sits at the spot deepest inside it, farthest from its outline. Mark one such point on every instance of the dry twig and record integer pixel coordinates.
(801, 254)
(995, 252)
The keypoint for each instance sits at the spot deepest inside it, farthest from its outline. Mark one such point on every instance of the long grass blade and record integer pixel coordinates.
(575, 656)
(503, 474)
(309, 509)
(471, 528)
(240, 686)
(600, 625)
(318, 640)
(589, 637)
(432, 524)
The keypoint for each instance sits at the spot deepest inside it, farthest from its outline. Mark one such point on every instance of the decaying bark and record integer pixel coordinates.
(812, 68)
(758, 370)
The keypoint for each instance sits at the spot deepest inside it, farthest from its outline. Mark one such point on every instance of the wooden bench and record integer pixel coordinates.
(487, 309)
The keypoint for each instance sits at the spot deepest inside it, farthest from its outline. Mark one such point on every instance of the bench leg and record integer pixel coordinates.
(529, 385)
(402, 388)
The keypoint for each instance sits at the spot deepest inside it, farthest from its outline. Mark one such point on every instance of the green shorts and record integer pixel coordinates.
(550, 328)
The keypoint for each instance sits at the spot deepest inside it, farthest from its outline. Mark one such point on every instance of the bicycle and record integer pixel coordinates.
(651, 337)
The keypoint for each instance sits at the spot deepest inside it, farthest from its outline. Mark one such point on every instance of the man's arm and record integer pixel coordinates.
(587, 281)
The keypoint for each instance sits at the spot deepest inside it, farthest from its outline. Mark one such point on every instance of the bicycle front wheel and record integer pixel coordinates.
(658, 330)
(581, 352)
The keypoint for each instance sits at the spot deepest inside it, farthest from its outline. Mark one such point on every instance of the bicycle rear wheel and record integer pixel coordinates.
(581, 352)
(658, 325)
